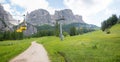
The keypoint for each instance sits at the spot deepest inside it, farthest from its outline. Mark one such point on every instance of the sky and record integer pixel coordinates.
(92, 11)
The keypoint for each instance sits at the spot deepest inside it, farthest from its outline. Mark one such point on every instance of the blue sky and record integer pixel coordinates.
(56, 3)
(93, 11)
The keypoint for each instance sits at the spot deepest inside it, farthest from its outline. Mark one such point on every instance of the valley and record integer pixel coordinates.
(94, 47)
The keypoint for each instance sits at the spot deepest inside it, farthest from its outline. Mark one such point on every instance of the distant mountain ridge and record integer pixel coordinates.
(44, 21)
(42, 16)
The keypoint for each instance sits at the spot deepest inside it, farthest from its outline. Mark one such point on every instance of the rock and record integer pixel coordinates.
(69, 17)
(30, 30)
(39, 17)
(79, 19)
(66, 14)
(5, 19)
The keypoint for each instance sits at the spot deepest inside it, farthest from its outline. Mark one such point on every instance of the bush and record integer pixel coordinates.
(73, 31)
(107, 32)
(118, 21)
(65, 34)
(43, 33)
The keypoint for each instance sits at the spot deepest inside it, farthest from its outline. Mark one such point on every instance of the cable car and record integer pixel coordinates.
(18, 30)
(22, 26)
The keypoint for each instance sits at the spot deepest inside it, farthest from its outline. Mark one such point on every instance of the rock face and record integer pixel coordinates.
(79, 19)
(41, 17)
(69, 17)
(5, 19)
(30, 30)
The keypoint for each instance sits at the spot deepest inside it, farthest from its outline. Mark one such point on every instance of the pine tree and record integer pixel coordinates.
(73, 31)
(105, 25)
(57, 30)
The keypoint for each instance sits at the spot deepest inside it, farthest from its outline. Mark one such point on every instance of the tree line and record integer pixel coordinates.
(45, 30)
(8, 35)
(107, 24)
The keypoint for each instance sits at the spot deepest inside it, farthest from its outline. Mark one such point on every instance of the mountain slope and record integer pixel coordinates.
(5, 20)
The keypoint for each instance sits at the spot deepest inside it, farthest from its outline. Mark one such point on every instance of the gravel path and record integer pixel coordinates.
(35, 53)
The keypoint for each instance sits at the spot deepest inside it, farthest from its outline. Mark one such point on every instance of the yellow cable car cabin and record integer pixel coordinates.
(23, 27)
(18, 30)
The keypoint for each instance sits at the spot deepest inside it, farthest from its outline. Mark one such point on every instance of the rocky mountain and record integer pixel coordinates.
(69, 17)
(30, 30)
(40, 17)
(5, 19)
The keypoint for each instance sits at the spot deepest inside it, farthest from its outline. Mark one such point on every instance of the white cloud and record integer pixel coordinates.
(110, 11)
(31, 5)
(16, 14)
(12, 11)
(87, 7)
(1, 1)
(7, 7)
(101, 16)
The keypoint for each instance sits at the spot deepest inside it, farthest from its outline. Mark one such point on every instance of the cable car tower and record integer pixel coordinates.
(61, 34)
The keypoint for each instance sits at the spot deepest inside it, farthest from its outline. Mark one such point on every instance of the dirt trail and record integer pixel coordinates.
(35, 53)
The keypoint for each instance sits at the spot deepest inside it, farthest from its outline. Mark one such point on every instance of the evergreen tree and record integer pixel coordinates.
(109, 22)
(104, 25)
(1, 36)
(57, 30)
(73, 31)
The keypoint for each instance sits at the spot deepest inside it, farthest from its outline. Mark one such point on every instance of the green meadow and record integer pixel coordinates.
(94, 46)
(10, 49)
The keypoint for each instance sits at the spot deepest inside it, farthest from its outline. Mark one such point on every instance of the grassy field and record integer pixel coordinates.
(91, 47)
(9, 49)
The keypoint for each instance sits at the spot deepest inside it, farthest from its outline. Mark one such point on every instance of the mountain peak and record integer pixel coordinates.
(42, 16)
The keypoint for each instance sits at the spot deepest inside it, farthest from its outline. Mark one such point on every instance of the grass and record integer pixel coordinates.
(91, 47)
(9, 49)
